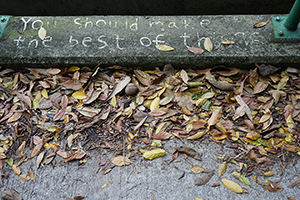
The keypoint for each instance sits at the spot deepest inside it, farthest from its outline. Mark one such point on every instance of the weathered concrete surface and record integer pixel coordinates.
(143, 178)
(149, 7)
(131, 40)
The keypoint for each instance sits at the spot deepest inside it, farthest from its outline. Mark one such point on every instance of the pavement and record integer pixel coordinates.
(146, 179)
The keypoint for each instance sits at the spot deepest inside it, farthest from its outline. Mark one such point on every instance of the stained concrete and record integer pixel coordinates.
(131, 41)
(144, 178)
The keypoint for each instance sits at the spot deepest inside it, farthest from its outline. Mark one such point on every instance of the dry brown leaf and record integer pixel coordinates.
(259, 24)
(53, 71)
(195, 50)
(87, 111)
(164, 48)
(184, 76)
(155, 104)
(157, 113)
(254, 135)
(162, 136)
(216, 115)
(72, 84)
(196, 136)
(36, 149)
(190, 152)
(260, 87)
(119, 87)
(202, 181)
(25, 177)
(39, 159)
(198, 124)
(222, 168)
(120, 161)
(10, 194)
(76, 156)
(31, 173)
(296, 182)
(62, 154)
(243, 109)
(15, 117)
(272, 187)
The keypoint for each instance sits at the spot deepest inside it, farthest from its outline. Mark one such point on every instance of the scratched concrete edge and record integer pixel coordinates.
(267, 50)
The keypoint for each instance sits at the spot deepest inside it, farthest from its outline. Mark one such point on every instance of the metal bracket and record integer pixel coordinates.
(281, 32)
(3, 22)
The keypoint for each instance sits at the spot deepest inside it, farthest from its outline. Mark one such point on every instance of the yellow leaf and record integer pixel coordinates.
(208, 44)
(16, 169)
(104, 186)
(53, 129)
(260, 24)
(222, 168)
(25, 177)
(290, 122)
(164, 48)
(35, 103)
(196, 136)
(153, 154)
(47, 146)
(155, 104)
(120, 161)
(10, 162)
(195, 198)
(197, 169)
(254, 135)
(131, 135)
(233, 186)
(73, 69)
(31, 173)
(227, 42)
(113, 101)
(79, 95)
(2, 155)
(268, 173)
(45, 93)
(42, 33)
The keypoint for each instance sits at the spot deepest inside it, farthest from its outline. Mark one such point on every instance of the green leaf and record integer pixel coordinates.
(241, 177)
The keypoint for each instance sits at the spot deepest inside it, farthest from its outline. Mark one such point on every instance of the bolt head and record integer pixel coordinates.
(280, 33)
(277, 19)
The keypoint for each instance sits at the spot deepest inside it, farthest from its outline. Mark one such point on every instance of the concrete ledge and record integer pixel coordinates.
(131, 41)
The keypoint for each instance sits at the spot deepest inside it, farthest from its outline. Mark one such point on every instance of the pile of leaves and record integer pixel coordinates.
(52, 112)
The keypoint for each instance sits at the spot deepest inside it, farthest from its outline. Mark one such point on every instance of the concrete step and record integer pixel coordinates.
(131, 41)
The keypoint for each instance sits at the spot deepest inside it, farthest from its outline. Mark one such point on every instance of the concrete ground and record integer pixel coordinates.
(145, 179)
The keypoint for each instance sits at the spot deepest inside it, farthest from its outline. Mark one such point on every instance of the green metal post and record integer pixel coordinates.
(292, 21)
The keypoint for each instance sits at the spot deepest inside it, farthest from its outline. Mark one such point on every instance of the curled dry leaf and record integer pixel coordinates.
(164, 48)
(16, 169)
(190, 152)
(10, 194)
(120, 161)
(259, 24)
(196, 136)
(195, 50)
(202, 181)
(76, 156)
(227, 42)
(216, 115)
(272, 187)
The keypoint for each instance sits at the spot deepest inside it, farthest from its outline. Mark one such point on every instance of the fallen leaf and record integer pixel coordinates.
(31, 173)
(296, 182)
(53, 71)
(42, 33)
(260, 87)
(202, 181)
(153, 154)
(227, 42)
(76, 156)
(25, 177)
(184, 76)
(16, 169)
(259, 24)
(232, 185)
(119, 87)
(272, 187)
(162, 136)
(174, 156)
(79, 95)
(189, 151)
(15, 117)
(216, 115)
(10, 194)
(197, 169)
(164, 48)
(39, 159)
(196, 136)
(268, 173)
(241, 177)
(195, 50)
(120, 161)
(222, 168)
(155, 104)
(208, 44)
(157, 113)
